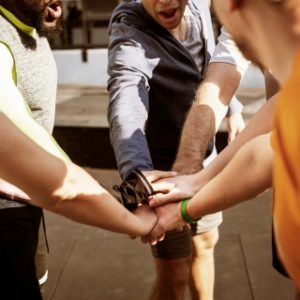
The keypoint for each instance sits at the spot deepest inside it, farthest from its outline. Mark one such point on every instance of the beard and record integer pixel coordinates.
(37, 16)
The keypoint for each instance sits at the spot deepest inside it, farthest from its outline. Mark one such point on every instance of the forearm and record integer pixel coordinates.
(197, 132)
(130, 153)
(80, 198)
(59, 185)
(205, 116)
(248, 174)
(100, 210)
(127, 116)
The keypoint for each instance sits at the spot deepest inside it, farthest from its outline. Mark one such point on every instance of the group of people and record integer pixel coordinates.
(169, 89)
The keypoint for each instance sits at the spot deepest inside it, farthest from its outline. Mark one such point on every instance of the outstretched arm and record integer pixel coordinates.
(62, 187)
(128, 87)
(248, 174)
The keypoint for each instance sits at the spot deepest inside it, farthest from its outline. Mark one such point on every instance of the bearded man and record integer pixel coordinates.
(26, 63)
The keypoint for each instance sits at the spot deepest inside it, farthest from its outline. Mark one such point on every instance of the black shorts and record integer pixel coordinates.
(176, 244)
(18, 241)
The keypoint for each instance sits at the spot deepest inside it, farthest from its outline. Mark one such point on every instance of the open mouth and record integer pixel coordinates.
(53, 11)
(168, 13)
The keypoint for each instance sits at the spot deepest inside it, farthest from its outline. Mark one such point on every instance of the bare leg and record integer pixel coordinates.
(171, 278)
(203, 267)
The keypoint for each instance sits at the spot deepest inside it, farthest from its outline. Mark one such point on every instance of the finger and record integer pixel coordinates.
(162, 199)
(161, 238)
(148, 239)
(163, 186)
(156, 234)
(153, 242)
(155, 175)
(154, 195)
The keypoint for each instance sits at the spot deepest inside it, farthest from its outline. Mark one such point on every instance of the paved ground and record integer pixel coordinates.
(93, 264)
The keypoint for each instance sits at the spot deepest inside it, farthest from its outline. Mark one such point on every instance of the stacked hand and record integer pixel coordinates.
(168, 218)
(149, 217)
(183, 187)
(169, 191)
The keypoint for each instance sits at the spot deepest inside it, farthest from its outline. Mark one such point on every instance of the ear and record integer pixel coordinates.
(235, 4)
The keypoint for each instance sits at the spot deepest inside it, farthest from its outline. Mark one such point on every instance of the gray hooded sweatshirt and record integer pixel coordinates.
(152, 84)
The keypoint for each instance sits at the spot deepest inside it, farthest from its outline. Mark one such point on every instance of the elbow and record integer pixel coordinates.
(53, 203)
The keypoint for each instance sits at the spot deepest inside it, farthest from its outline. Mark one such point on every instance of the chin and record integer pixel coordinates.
(48, 29)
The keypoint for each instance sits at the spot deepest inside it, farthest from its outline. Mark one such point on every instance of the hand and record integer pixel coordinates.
(148, 217)
(185, 186)
(154, 177)
(169, 218)
(235, 125)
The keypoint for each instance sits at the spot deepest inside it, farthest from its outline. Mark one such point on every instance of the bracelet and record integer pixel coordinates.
(184, 213)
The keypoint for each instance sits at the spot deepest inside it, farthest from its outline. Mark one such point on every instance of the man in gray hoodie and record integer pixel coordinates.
(159, 53)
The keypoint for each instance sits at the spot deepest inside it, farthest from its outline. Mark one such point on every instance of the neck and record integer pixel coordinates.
(14, 9)
(278, 42)
(180, 31)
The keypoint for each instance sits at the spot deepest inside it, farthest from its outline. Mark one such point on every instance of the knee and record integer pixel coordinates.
(206, 241)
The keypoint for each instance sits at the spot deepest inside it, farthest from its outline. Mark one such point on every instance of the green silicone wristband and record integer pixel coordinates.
(184, 213)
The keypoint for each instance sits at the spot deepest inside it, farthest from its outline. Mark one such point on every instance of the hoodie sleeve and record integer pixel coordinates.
(128, 70)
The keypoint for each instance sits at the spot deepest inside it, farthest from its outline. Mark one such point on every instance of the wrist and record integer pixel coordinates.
(198, 181)
(184, 213)
(187, 166)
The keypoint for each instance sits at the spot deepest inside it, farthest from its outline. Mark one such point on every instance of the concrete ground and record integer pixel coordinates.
(90, 263)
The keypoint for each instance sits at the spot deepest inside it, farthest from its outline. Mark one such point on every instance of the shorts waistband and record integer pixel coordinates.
(5, 196)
